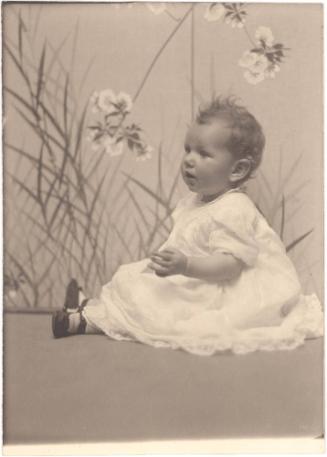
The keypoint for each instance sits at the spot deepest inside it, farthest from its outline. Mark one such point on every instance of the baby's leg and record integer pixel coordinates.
(74, 322)
(90, 329)
(76, 318)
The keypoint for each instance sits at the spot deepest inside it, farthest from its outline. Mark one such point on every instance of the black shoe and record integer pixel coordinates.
(60, 319)
(72, 296)
(60, 324)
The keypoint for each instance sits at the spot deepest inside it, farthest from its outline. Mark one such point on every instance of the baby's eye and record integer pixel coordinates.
(204, 154)
(187, 148)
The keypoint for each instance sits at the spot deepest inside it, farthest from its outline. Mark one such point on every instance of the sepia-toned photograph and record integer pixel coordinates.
(163, 223)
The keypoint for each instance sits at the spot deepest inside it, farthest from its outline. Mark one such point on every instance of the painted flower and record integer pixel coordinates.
(113, 146)
(124, 102)
(254, 61)
(106, 100)
(260, 65)
(157, 7)
(91, 134)
(254, 77)
(248, 59)
(110, 103)
(214, 12)
(264, 60)
(271, 70)
(95, 137)
(235, 21)
(263, 35)
(256, 65)
(235, 14)
(144, 153)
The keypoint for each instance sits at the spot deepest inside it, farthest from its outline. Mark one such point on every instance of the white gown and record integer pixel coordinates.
(262, 309)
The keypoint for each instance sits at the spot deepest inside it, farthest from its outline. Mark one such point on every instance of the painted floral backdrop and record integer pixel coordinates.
(94, 121)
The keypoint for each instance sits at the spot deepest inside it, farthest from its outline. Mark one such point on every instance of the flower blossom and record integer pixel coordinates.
(264, 60)
(106, 100)
(253, 77)
(235, 22)
(256, 65)
(157, 7)
(124, 102)
(233, 13)
(110, 134)
(254, 61)
(112, 145)
(264, 35)
(214, 12)
(144, 152)
(271, 70)
(248, 59)
(110, 103)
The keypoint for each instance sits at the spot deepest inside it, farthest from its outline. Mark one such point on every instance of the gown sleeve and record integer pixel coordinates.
(232, 230)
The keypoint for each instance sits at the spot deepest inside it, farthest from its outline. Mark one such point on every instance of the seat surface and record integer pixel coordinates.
(89, 388)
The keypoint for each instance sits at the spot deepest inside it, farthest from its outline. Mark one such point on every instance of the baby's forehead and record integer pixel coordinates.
(215, 132)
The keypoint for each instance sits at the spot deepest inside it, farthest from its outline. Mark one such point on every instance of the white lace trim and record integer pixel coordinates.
(304, 321)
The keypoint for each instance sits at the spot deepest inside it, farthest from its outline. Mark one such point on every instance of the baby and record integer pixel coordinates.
(222, 280)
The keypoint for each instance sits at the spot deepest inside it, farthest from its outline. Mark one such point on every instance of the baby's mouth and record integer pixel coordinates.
(189, 175)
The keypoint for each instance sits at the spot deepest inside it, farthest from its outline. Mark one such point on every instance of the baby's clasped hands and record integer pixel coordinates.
(168, 262)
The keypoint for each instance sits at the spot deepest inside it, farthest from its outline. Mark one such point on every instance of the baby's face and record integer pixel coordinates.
(207, 164)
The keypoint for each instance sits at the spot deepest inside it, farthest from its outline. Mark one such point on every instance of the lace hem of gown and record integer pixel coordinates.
(305, 321)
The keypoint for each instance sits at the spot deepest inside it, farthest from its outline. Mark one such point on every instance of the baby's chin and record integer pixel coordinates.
(192, 186)
(191, 183)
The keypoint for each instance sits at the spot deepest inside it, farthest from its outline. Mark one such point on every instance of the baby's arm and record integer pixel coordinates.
(213, 268)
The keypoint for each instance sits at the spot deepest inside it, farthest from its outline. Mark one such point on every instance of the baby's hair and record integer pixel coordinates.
(247, 139)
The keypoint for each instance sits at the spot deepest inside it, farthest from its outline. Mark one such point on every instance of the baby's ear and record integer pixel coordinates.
(241, 170)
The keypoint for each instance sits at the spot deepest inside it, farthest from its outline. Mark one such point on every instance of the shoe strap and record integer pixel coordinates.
(82, 325)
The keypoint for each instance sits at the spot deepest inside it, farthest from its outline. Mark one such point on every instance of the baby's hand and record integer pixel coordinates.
(168, 262)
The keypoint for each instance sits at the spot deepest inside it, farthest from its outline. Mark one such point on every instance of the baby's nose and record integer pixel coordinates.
(189, 159)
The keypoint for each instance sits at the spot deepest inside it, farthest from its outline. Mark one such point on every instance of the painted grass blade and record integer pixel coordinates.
(265, 181)
(147, 190)
(40, 80)
(37, 20)
(282, 223)
(292, 169)
(123, 242)
(298, 240)
(80, 131)
(21, 28)
(173, 188)
(17, 64)
(55, 56)
(159, 52)
(25, 188)
(139, 209)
